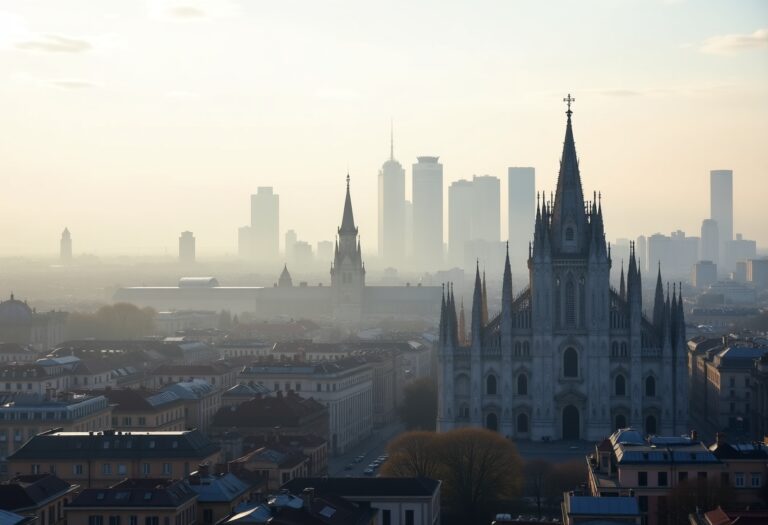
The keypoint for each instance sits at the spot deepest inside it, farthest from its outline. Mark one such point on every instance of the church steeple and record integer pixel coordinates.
(477, 309)
(348, 219)
(569, 219)
(622, 286)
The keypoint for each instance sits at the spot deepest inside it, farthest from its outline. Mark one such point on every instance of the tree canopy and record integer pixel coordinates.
(419, 408)
(479, 468)
(118, 321)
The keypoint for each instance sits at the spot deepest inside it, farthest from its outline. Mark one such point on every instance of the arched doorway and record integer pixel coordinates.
(492, 422)
(571, 426)
(650, 425)
(522, 423)
(621, 422)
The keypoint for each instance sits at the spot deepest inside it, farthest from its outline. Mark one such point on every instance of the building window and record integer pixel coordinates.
(620, 385)
(755, 480)
(682, 476)
(106, 468)
(738, 479)
(114, 520)
(95, 520)
(650, 425)
(122, 469)
(569, 234)
(152, 520)
(167, 469)
(133, 520)
(207, 516)
(522, 385)
(145, 469)
(662, 479)
(570, 304)
(410, 518)
(642, 479)
(386, 517)
(77, 469)
(650, 386)
(701, 475)
(35, 469)
(570, 363)
(621, 421)
(490, 385)
(614, 349)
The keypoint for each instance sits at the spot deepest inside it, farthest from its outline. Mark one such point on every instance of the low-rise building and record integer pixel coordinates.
(100, 459)
(17, 353)
(142, 409)
(758, 380)
(344, 385)
(399, 501)
(41, 496)
(201, 401)
(146, 501)
(275, 463)
(217, 375)
(218, 496)
(311, 446)
(19, 323)
(23, 416)
(746, 470)
(241, 393)
(282, 414)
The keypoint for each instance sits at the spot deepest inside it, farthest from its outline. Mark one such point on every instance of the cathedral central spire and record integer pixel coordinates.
(569, 219)
(348, 219)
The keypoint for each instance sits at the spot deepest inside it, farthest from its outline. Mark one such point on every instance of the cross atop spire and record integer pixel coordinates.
(568, 101)
(347, 179)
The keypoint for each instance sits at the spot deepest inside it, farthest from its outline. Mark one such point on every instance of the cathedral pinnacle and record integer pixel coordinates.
(568, 100)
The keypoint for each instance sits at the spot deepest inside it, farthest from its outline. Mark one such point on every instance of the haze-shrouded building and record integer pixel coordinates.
(460, 201)
(710, 241)
(65, 246)
(427, 195)
(187, 248)
(721, 206)
(262, 237)
(568, 357)
(392, 210)
(521, 192)
(347, 300)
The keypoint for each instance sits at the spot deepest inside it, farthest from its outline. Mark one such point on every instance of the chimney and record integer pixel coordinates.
(307, 495)
(203, 470)
(694, 435)
(720, 438)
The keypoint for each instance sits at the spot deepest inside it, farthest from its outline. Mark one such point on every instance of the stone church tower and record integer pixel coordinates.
(569, 357)
(348, 270)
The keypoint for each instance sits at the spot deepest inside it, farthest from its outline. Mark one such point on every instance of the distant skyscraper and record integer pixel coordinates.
(486, 208)
(65, 246)
(392, 210)
(187, 248)
(721, 206)
(522, 210)
(642, 253)
(325, 251)
(265, 223)
(290, 242)
(460, 202)
(408, 228)
(428, 212)
(710, 241)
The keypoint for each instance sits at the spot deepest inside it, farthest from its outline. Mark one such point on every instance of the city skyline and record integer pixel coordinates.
(663, 106)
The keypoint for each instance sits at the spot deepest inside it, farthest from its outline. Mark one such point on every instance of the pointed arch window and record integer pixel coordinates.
(570, 363)
(620, 385)
(522, 385)
(522, 423)
(490, 385)
(650, 386)
(614, 349)
(526, 349)
(569, 234)
(570, 303)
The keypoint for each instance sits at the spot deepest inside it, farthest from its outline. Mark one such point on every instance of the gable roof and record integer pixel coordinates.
(27, 491)
(366, 487)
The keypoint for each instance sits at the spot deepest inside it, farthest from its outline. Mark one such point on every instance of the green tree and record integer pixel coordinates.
(419, 408)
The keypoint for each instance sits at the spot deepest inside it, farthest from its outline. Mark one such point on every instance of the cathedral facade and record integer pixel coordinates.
(569, 357)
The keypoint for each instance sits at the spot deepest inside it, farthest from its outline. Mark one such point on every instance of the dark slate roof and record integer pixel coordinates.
(112, 444)
(327, 509)
(135, 399)
(191, 370)
(137, 493)
(30, 490)
(363, 487)
(282, 410)
(740, 451)
(594, 506)
(16, 348)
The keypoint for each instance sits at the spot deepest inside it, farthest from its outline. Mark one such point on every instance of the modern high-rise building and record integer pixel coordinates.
(265, 223)
(486, 208)
(392, 210)
(187, 248)
(408, 228)
(65, 246)
(460, 209)
(641, 250)
(522, 210)
(290, 241)
(721, 206)
(710, 241)
(325, 251)
(427, 197)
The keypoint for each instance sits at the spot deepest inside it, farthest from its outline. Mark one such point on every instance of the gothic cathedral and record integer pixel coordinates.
(569, 357)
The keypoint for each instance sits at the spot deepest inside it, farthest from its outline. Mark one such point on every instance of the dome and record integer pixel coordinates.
(14, 311)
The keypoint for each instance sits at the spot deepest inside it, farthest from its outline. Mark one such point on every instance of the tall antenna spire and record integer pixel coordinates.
(391, 139)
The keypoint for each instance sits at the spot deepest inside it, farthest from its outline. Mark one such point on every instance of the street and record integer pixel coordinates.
(371, 448)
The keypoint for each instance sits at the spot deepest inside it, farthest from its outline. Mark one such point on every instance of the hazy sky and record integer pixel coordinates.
(131, 121)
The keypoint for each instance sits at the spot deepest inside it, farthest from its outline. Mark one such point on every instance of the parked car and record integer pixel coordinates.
(368, 472)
